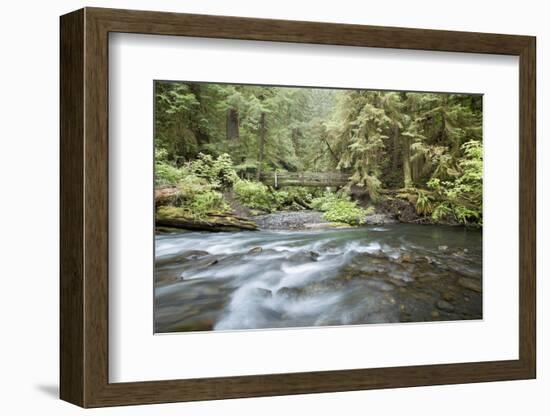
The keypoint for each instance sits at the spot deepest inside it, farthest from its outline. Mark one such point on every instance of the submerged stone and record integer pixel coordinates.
(448, 296)
(471, 284)
(264, 293)
(314, 255)
(445, 306)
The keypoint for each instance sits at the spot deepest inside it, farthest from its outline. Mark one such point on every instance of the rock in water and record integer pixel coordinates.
(471, 284)
(448, 296)
(445, 306)
(183, 257)
(255, 250)
(380, 285)
(406, 258)
(289, 292)
(264, 293)
(314, 255)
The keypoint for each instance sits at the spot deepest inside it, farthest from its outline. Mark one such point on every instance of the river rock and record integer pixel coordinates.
(430, 260)
(182, 257)
(380, 285)
(445, 306)
(379, 219)
(397, 282)
(471, 284)
(314, 255)
(289, 292)
(300, 257)
(289, 220)
(264, 293)
(406, 258)
(448, 296)
(255, 250)
(326, 226)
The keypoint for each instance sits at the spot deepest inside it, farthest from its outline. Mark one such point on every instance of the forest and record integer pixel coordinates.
(297, 207)
(220, 147)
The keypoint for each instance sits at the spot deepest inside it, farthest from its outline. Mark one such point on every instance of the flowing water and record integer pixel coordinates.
(273, 279)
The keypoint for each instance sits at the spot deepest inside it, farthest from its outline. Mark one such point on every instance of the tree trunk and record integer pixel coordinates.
(407, 173)
(395, 153)
(330, 149)
(261, 146)
(201, 136)
(232, 124)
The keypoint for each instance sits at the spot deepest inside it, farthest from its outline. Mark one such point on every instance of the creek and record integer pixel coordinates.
(287, 278)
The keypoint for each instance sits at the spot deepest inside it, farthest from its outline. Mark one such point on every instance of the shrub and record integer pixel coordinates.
(299, 197)
(339, 208)
(219, 171)
(324, 202)
(425, 203)
(208, 202)
(195, 205)
(345, 211)
(165, 173)
(255, 195)
(441, 211)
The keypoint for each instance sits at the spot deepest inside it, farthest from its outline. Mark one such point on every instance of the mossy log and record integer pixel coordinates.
(212, 222)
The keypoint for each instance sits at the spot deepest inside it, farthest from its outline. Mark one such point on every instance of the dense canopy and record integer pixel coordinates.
(429, 144)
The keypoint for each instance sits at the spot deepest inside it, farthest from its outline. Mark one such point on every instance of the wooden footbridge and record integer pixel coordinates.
(321, 179)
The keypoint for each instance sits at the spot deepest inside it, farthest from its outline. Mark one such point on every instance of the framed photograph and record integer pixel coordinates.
(255, 207)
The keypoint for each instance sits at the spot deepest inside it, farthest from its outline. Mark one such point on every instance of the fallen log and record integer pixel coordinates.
(212, 222)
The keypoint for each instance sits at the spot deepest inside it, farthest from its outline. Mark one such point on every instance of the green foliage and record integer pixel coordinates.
(324, 202)
(428, 142)
(345, 211)
(255, 195)
(293, 196)
(170, 211)
(197, 198)
(219, 172)
(210, 202)
(258, 196)
(463, 196)
(198, 195)
(340, 209)
(425, 203)
(442, 211)
(166, 173)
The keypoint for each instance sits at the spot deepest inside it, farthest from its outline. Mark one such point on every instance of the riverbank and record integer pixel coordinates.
(310, 220)
(398, 206)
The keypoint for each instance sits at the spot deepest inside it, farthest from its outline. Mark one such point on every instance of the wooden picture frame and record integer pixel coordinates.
(84, 207)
